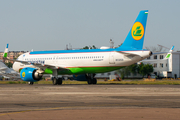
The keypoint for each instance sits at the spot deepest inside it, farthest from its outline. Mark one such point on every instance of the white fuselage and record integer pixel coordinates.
(84, 59)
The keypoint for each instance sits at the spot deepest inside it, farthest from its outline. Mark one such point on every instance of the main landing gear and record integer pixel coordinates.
(57, 81)
(91, 79)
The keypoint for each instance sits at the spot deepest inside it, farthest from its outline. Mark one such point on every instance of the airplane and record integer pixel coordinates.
(32, 65)
(7, 72)
(5, 69)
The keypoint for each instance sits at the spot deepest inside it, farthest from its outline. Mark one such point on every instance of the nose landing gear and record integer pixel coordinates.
(30, 83)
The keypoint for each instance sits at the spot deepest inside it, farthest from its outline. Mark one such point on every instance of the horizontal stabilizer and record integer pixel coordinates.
(167, 56)
(127, 53)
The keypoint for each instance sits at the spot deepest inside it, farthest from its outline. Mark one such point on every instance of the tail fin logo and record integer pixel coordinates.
(137, 31)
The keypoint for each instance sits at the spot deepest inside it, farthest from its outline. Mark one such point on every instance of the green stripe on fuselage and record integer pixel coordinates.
(83, 70)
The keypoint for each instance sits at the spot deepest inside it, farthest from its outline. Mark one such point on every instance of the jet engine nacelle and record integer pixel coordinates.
(30, 74)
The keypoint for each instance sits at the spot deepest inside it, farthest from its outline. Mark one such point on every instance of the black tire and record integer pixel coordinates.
(89, 81)
(94, 81)
(55, 81)
(59, 81)
(30, 83)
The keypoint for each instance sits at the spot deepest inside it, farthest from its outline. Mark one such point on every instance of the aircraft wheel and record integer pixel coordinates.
(94, 81)
(55, 81)
(89, 81)
(30, 83)
(59, 81)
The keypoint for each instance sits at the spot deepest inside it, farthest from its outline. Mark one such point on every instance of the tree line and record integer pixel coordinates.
(143, 69)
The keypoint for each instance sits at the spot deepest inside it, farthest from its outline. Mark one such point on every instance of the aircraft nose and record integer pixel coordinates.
(150, 53)
(15, 68)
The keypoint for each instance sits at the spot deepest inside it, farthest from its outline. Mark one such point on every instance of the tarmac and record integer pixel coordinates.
(64, 102)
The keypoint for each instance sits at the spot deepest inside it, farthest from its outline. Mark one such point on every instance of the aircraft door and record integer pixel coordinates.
(55, 60)
(111, 58)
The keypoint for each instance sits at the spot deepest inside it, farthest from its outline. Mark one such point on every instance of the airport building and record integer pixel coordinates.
(165, 67)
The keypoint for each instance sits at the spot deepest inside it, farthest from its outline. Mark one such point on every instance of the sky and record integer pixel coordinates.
(52, 24)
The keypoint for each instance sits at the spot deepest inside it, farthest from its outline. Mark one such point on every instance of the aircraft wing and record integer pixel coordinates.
(48, 66)
(153, 60)
(3, 68)
(40, 65)
(9, 74)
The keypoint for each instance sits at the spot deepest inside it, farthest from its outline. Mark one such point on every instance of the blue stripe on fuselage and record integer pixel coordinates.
(71, 51)
(79, 51)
